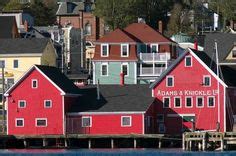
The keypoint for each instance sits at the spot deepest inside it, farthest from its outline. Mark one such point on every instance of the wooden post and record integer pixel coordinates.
(222, 142)
(89, 143)
(183, 141)
(204, 142)
(25, 143)
(112, 143)
(190, 145)
(159, 143)
(66, 143)
(44, 142)
(199, 146)
(135, 143)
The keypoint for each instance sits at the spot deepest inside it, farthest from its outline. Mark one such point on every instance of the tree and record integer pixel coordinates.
(13, 5)
(3, 4)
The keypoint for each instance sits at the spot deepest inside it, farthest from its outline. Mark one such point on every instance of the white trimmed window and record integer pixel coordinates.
(126, 121)
(41, 122)
(207, 80)
(86, 121)
(125, 69)
(104, 69)
(34, 83)
(47, 103)
(21, 104)
(160, 117)
(188, 61)
(200, 102)
(211, 101)
(104, 50)
(188, 102)
(166, 102)
(124, 50)
(170, 81)
(15, 63)
(177, 102)
(154, 48)
(19, 122)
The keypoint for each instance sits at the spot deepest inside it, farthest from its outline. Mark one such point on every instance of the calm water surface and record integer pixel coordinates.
(111, 152)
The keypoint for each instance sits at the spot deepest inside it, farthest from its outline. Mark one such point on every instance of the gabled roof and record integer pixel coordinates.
(23, 45)
(114, 98)
(6, 26)
(146, 34)
(54, 75)
(203, 59)
(70, 8)
(117, 36)
(225, 42)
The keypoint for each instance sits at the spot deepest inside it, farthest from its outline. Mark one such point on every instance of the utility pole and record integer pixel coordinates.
(3, 99)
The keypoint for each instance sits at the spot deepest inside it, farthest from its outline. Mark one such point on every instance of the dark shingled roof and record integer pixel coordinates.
(225, 43)
(114, 98)
(70, 8)
(59, 79)
(6, 26)
(23, 45)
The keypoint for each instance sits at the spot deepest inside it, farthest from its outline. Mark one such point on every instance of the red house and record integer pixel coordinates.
(38, 102)
(190, 95)
(115, 110)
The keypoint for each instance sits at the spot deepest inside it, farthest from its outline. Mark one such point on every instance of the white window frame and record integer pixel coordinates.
(82, 122)
(191, 60)
(19, 103)
(197, 101)
(14, 63)
(173, 81)
(214, 100)
(121, 50)
(130, 117)
(32, 83)
(125, 64)
(180, 102)
(154, 45)
(158, 121)
(36, 119)
(163, 101)
(107, 46)
(204, 84)
(186, 102)
(45, 104)
(105, 64)
(16, 119)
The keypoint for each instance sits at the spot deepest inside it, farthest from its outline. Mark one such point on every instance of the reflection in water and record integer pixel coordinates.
(110, 152)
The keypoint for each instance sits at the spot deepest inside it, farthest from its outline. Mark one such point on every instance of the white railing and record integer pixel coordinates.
(154, 56)
(151, 71)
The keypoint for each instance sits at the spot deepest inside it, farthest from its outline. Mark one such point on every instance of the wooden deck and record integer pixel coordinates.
(208, 140)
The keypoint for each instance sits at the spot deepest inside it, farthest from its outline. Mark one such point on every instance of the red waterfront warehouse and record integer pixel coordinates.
(191, 94)
(38, 102)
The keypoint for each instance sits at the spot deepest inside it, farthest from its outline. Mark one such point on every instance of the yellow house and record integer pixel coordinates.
(18, 55)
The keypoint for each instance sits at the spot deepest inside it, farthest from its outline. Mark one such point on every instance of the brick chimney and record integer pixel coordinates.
(160, 26)
(26, 26)
(196, 45)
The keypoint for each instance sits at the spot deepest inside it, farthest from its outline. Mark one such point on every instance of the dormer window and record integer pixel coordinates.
(34, 83)
(104, 50)
(188, 61)
(124, 50)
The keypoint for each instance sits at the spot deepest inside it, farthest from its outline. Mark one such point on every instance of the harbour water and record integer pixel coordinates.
(112, 152)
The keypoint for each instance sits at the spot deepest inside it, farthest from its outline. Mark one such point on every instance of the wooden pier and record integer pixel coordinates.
(204, 141)
(91, 141)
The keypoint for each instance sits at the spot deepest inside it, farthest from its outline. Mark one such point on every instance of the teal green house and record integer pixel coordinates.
(137, 54)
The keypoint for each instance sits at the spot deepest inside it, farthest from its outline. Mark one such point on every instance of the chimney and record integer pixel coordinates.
(26, 26)
(196, 45)
(122, 79)
(160, 26)
(98, 91)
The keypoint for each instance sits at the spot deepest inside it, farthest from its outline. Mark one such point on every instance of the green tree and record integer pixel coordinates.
(3, 4)
(13, 5)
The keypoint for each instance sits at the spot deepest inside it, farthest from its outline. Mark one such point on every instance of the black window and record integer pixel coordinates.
(166, 102)
(34, 84)
(41, 122)
(211, 101)
(188, 61)
(104, 70)
(86, 122)
(126, 121)
(22, 104)
(19, 122)
(125, 69)
(207, 81)
(15, 64)
(2, 63)
(124, 49)
(234, 53)
(199, 101)
(47, 103)
(177, 102)
(170, 81)
(104, 50)
(160, 118)
(188, 102)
